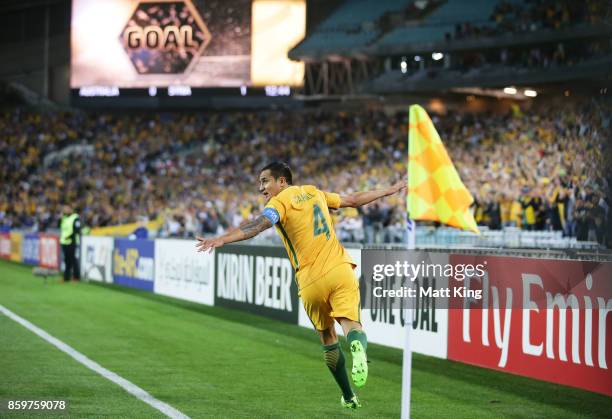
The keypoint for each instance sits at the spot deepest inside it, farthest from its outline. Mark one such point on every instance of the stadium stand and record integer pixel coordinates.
(352, 25)
(360, 23)
(529, 16)
(440, 22)
(354, 13)
(539, 170)
(461, 20)
(477, 43)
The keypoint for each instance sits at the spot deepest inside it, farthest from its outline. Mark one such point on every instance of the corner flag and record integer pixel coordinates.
(435, 191)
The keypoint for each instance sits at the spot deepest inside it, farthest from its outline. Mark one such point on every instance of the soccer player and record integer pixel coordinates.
(327, 284)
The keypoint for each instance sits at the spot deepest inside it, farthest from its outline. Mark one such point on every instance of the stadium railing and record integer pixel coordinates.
(449, 238)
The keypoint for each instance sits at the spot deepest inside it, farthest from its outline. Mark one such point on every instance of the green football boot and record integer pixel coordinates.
(359, 373)
(351, 404)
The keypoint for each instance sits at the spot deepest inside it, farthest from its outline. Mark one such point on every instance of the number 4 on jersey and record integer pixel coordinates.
(320, 225)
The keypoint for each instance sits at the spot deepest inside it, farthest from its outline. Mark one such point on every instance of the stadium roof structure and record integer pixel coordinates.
(412, 45)
(364, 26)
(351, 51)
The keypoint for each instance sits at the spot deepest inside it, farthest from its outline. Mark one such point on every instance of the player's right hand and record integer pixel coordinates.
(208, 244)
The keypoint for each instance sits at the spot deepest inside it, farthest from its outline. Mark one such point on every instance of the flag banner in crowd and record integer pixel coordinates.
(125, 230)
(435, 191)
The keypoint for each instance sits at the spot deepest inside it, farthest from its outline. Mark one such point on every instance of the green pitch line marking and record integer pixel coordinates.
(128, 386)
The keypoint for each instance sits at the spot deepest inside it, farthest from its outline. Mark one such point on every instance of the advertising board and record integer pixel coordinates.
(183, 273)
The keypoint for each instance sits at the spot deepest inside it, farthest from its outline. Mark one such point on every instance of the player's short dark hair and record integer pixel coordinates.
(280, 169)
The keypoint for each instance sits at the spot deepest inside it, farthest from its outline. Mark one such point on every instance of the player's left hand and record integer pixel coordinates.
(399, 186)
(208, 244)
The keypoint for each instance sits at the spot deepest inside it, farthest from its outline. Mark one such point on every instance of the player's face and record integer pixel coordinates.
(268, 186)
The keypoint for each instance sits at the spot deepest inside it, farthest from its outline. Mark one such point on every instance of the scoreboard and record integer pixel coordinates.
(185, 48)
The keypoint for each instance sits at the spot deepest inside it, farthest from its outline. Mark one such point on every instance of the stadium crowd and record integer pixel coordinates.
(200, 169)
(537, 170)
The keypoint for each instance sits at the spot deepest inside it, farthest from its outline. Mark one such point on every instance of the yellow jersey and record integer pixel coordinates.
(301, 217)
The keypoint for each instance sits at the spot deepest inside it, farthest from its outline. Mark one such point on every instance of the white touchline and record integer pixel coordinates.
(128, 386)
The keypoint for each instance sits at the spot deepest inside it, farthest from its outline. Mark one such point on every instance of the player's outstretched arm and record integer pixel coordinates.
(362, 198)
(244, 232)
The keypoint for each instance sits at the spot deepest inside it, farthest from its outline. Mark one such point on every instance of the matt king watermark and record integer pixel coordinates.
(428, 292)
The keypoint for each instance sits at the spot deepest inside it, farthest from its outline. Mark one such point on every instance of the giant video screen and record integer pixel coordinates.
(196, 43)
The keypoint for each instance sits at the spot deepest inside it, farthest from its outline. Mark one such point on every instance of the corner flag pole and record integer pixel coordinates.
(407, 357)
(407, 368)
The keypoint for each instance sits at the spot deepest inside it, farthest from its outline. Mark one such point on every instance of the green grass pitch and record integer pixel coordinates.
(213, 362)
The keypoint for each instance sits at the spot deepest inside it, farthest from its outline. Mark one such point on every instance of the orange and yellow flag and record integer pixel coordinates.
(435, 191)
